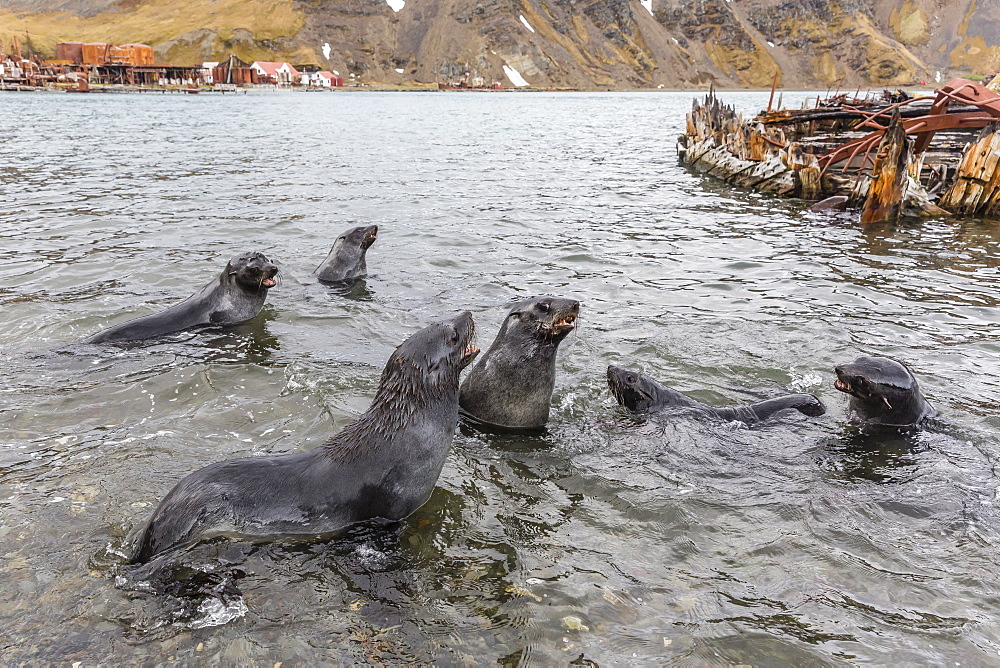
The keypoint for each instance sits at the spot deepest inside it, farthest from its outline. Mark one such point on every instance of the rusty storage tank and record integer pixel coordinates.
(118, 55)
(141, 54)
(95, 53)
(71, 51)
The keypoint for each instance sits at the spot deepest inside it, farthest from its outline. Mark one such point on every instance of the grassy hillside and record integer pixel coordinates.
(242, 21)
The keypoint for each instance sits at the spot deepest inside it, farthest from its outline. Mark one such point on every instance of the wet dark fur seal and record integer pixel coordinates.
(237, 295)
(383, 465)
(883, 392)
(640, 394)
(511, 387)
(346, 260)
(833, 204)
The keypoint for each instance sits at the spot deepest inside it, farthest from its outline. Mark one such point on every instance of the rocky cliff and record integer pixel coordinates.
(551, 43)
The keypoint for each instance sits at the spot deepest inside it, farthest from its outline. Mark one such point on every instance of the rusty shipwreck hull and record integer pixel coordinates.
(890, 156)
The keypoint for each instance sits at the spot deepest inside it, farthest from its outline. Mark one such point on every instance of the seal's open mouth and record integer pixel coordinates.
(565, 325)
(269, 282)
(843, 387)
(470, 354)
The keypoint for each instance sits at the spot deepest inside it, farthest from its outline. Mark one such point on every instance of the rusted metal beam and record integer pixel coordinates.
(963, 92)
(960, 91)
(924, 125)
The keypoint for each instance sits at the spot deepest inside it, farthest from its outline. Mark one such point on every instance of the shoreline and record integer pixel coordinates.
(381, 88)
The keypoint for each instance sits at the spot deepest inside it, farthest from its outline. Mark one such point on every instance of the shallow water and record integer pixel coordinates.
(604, 540)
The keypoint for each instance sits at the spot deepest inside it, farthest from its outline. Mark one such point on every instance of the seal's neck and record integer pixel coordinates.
(399, 404)
(895, 409)
(523, 348)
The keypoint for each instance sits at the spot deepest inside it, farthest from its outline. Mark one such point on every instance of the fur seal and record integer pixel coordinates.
(511, 387)
(346, 260)
(830, 204)
(237, 295)
(883, 392)
(640, 394)
(384, 464)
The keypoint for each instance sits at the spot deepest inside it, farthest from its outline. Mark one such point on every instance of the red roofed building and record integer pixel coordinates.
(282, 74)
(322, 79)
(333, 80)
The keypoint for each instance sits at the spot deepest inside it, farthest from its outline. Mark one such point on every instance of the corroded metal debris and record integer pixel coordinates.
(891, 155)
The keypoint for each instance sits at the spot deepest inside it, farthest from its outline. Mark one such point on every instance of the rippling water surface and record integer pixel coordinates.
(604, 540)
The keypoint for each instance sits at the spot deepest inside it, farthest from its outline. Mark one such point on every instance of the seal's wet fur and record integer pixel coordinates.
(383, 465)
(511, 387)
(237, 295)
(346, 260)
(640, 395)
(883, 392)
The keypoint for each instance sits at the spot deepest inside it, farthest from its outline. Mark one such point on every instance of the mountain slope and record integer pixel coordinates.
(551, 43)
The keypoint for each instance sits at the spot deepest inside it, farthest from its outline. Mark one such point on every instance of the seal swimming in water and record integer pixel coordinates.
(883, 392)
(237, 295)
(832, 204)
(384, 464)
(640, 394)
(511, 387)
(346, 260)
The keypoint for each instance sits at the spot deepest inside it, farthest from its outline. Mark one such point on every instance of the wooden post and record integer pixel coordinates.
(888, 183)
(805, 169)
(774, 85)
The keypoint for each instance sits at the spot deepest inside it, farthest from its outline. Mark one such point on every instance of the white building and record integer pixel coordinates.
(282, 74)
(206, 72)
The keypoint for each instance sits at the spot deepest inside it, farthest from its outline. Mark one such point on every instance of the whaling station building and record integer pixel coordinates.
(135, 65)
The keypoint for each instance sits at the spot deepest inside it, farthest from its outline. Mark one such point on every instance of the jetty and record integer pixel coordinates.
(886, 155)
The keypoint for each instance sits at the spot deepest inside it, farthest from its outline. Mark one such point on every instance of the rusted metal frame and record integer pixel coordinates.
(866, 142)
(869, 117)
(772, 142)
(837, 154)
(932, 124)
(913, 126)
(868, 146)
(948, 94)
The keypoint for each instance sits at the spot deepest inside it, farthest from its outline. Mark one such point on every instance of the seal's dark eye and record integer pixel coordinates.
(631, 379)
(543, 307)
(453, 339)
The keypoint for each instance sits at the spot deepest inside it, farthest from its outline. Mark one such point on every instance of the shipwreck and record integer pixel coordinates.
(887, 155)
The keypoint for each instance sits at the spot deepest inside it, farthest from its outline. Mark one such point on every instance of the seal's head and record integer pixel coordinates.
(883, 391)
(636, 392)
(252, 271)
(358, 237)
(346, 260)
(546, 320)
(430, 361)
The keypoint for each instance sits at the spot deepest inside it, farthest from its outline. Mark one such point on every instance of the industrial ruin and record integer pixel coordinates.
(83, 67)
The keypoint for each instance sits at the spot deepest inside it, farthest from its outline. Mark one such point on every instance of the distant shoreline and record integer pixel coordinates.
(421, 88)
